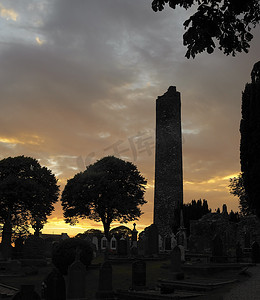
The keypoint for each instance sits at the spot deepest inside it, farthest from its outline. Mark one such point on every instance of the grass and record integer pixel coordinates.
(122, 276)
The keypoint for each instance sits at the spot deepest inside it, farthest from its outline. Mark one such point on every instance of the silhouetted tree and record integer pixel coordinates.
(234, 217)
(191, 211)
(236, 188)
(109, 190)
(64, 253)
(229, 22)
(120, 231)
(90, 232)
(250, 140)
(27, 193)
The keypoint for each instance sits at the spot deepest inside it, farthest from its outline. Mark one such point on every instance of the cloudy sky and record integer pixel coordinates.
(79, 80)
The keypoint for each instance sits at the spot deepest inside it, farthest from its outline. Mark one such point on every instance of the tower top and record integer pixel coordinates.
(171, 93)
(171, 90)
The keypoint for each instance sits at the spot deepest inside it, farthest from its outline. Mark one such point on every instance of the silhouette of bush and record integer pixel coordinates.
(64, 254)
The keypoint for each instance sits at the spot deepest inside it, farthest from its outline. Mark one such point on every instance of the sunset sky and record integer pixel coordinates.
(79, 80)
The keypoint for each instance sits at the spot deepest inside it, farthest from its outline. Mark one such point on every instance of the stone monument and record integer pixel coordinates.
(168, 192)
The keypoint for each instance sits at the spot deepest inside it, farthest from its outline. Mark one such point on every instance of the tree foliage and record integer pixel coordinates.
(237, 188)
(229, 22)
(108, 190)
(64, 253)
(27, 191)
(250, 140)
(121, 231)
(191, 211)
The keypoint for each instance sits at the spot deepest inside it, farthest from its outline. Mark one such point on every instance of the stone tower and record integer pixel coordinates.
(168, 192)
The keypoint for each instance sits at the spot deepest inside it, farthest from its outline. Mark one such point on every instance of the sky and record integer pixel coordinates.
(79, 80)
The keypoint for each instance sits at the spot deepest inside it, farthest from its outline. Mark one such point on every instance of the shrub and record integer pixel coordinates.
(64, 253)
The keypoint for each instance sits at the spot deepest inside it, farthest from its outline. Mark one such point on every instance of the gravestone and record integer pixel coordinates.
(176, 259)
(122, 247)
(141, 246)
(182, 253)
(139, 275)
(176, 269)
(239, 252)
(217, 249)
(173, 241)
(168, 243)
(113, 243)
(255, 254)
(95, 242)
(134, 246)
(76, 278)
(103, 243)
(247, 239)
(54, 287)
(18, 247)
(160, 241)
(128, 243)
(26, 292)
(105, 286)
(152, 240)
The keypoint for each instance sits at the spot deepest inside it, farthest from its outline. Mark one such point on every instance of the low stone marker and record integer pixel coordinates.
(139, 275)
(105, 286)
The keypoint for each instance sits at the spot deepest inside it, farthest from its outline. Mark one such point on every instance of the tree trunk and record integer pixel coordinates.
(6, 247)
(106, 226)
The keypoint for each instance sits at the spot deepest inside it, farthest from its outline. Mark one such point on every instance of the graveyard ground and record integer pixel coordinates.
(122, 278)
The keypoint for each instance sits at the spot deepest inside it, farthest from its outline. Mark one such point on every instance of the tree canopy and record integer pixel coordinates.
(229, 22)
(109, 190)
(191, 211)
(250, 140)
(27, 194)
(237, 188)
(27, 190)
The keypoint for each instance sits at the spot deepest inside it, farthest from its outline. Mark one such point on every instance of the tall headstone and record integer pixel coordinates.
(168, 193)
(113, 243)
(105, 286)
(133, 249)
(103, 243)
(255, 254)
(76, 278)
(122, 247)
(151, 240)
(217, 249)
(95, 242)
(54, 286)
(176, 259)
(181, 234)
